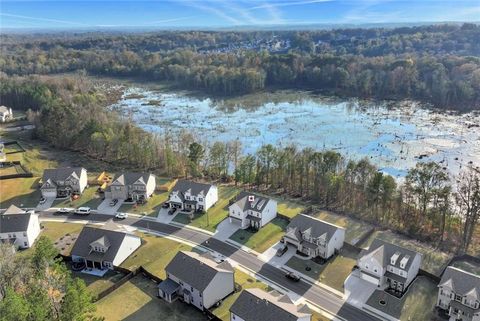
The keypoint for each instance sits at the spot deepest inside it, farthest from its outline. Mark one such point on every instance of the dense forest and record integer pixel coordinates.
(70, 113)
(436, 64)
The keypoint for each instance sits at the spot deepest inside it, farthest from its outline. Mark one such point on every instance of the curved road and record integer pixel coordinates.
(313, 293)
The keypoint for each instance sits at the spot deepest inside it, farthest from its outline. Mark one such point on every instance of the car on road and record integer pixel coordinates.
(171, 211)
(113, 202)
(282, 250)
(83, 211)
(43, 200)
(121, 216)
(64, 210)
(293, 276)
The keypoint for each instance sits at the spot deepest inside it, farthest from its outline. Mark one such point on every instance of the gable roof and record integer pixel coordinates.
(302, 223)
(255, 304)
(131, 178)
(195, 188)
(460, 281)
(14, 220)
(383, 251)
(61, 174)
(259, 203)
(89, 235)
(196, 270)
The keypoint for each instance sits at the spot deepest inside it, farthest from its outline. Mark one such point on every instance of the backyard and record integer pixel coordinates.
(333, 273)
(137, 300)
(264, 238)
(96, 284)
(467, 266)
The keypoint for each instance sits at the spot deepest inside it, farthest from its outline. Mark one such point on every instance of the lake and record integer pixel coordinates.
(394, 136)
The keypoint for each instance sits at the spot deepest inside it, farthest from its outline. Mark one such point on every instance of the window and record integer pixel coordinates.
(375, 270)
(366, 266)
(200, 199)
(191, 289)
(25, 234)
(458, 297)
(25, 244)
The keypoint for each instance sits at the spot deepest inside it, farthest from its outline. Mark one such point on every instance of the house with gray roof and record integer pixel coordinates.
(252, 210)
(103, 247)
(256, 304)
(18, 227)
(63, 182)
(193, 196)
(459, 294)
(314, 237)
(197, 279)
(389, 266)
(134, 187)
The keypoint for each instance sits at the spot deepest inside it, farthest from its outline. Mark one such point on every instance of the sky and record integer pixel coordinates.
(71, 14)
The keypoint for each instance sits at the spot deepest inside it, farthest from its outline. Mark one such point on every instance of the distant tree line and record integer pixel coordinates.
(435, 64)
(72, 115)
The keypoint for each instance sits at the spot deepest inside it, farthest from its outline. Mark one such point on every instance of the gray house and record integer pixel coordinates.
(192, 196)
(18, 227)
(197, 279)
(459, 294)
(137, 187)
(255, 305)
(314, 237)
(62, 182)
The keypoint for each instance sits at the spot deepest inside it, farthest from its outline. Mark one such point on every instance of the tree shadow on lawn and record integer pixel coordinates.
(24, 200)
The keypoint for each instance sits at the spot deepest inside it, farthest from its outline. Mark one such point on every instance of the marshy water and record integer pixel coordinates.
(394, 136)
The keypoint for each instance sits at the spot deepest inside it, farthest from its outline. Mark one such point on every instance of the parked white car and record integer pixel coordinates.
(83, 211)
(121, 215)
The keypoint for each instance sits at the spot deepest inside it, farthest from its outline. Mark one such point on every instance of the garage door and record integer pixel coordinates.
(49, 193)
(370, 278)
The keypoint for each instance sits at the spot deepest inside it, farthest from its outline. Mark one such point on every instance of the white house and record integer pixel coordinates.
(459, 294)
(251, 210)
(19, 227)
(314, 237)
(197, 280)
(137, 187)
(103, 247)
(256, 305)
(62, 182)
(189, 195)
(389, 266)
(5, 113)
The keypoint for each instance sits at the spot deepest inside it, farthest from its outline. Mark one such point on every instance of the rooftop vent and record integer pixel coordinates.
(394, 258)
(404, 261)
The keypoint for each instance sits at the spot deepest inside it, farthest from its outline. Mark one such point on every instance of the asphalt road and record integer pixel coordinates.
(313, 293)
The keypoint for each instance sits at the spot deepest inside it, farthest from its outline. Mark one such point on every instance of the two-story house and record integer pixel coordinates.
(18, 227)
(103, 247)
(5, 114)
(193, 196)
(314, 237)
(63, 182)
(389, 266)
(197, 280)
(256, 304)
(459, 294)
(251, 210)
(135, 187)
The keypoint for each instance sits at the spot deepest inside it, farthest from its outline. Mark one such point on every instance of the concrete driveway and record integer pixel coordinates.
(48, 203)
(278, 261)
(225, 229)
(357, 291)
(105, 207)
(164, 217)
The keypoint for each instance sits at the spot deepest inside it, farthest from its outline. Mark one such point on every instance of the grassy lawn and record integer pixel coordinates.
(354, 229)
(467, 266)
(88, 198)
(264, 238)
(242, 281)
(136, 300)
(289, 208)
(433, 260)
(154, 254)
(333, 273)
(97, 285)
(216, 214)
(22, 192)
(150, 208)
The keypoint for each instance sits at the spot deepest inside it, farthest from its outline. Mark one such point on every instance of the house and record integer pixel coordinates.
(5, 114)
(255, 304)
(193, 196)
(389, 266)
(459, 294)
(137, 187)
(314, 237)
(19, 227)
(197, 279)
(251, 210)
(63, 182)
(103, 247)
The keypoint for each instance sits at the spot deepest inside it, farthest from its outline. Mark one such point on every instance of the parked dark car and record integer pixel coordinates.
(114, 202)
(165, 205)
(43, 200)
(292, 276)
(282, 250)
(171, 211)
